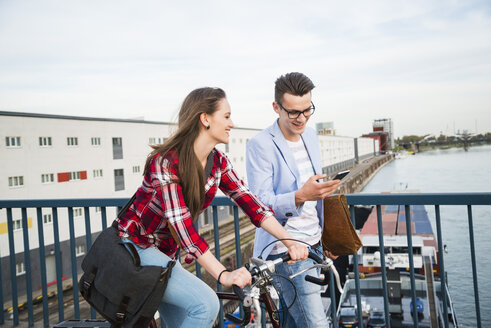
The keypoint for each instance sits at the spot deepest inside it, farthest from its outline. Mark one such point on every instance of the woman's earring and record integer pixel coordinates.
(207, 127)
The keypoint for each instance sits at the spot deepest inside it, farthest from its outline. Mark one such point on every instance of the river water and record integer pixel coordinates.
(447, 171)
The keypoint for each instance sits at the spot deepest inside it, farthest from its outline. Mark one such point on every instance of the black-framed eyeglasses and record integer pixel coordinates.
(293, 114)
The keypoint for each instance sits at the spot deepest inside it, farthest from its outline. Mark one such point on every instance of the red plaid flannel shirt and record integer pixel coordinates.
(160, 202)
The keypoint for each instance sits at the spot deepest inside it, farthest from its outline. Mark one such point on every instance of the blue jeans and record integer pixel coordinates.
(188, 301)
(307, 311)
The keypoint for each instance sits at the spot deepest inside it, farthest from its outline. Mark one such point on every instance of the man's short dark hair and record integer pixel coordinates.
(293, 83)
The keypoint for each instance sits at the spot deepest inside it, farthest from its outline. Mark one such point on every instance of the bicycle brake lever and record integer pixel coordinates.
(325, 281)
(260, 265)
(317, 281)
(307, 269)
(246, 302)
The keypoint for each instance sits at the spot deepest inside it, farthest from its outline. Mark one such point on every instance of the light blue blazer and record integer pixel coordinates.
(273, 176)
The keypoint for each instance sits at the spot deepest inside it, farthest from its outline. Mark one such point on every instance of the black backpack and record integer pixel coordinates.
(117, 286)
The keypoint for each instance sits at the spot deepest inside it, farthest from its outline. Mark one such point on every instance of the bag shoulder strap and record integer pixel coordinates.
(130, 202)
(127, 206)
(209, 165)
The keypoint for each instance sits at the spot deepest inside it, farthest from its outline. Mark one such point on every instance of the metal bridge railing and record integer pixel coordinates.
(62, 210)
(406, 200)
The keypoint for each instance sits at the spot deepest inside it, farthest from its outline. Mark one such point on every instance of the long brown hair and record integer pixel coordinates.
(191, 179)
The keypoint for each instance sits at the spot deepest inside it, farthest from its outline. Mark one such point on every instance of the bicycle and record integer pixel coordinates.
(262, 289)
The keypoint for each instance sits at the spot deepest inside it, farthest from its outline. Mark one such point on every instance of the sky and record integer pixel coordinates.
(424, 64)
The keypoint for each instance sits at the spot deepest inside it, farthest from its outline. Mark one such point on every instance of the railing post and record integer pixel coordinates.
(409, 232)
(73, 256)
(88, 245)
(88, 230)
(27, 261)
(198, 267)
(332, 294)
(59, 269)
(382, 264)
(13, 272)
(474, 266)
(443, 280)
(104, 217)
(356, 272)
(216, 238)
(238, 250)
(42, 263)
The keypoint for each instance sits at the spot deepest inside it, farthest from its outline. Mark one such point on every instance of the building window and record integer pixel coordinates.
(151, 141)
(118, 179)
(20, 269)
(117, 148)
(78, 211)
(12, 142)
(136, 169)
(47, 178)
(17, 224)
(79, 250)
(97, 173)
(72, 141)
(95, 141)
(98, 209)
(16, 181)
(45, 141)
(69, 176)
(47, 218)
(74, 175)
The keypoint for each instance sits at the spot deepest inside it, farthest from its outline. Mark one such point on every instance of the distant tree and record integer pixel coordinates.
(411, 139)
(441, 138)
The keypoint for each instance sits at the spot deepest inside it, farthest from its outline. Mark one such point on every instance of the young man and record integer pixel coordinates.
(284, 170)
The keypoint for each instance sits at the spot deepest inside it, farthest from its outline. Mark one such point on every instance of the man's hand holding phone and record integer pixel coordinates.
(315, 189)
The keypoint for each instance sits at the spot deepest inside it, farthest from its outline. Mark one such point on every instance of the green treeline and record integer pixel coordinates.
(419, 143)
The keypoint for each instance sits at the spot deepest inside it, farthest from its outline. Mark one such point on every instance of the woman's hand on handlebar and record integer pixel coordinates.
(240, 277)
(297, 252)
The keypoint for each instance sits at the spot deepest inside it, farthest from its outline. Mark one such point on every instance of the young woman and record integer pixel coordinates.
(175, 191)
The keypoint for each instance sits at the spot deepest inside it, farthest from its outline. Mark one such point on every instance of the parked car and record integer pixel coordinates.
(348, 317)
(376, 319)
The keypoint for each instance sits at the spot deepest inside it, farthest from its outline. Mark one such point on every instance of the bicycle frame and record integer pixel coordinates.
(264, 298)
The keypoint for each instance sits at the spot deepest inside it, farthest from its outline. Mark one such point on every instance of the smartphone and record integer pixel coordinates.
(341, 175)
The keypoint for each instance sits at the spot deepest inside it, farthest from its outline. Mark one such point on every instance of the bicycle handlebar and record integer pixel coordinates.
(264, 266)
(247, 302)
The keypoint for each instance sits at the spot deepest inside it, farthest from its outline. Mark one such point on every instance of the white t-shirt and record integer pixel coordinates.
(306, 226)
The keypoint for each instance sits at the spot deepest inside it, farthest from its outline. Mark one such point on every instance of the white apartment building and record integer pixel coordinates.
(57, 157)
